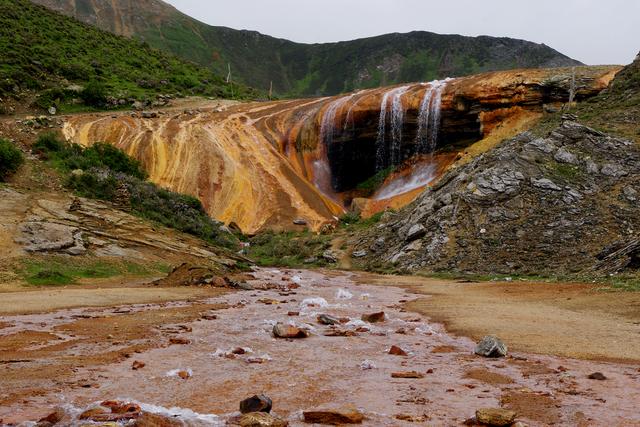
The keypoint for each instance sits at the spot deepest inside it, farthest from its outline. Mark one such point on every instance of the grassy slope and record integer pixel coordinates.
(41, 50)
(615, 111)
(319, 69)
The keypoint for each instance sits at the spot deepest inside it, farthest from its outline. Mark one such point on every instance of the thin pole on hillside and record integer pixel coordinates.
(271, 90)
(572, 90)
(229, 74)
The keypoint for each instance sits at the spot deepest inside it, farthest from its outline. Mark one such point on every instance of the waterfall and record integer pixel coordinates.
(429, 117)
(421, 176)
(328, 125)
(397, 122)
(322, 177)
(349, 116)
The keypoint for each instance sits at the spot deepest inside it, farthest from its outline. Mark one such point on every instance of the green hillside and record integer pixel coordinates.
(61, 60)
(309, 69)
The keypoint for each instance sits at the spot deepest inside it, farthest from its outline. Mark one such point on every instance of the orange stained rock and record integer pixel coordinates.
(257, 164)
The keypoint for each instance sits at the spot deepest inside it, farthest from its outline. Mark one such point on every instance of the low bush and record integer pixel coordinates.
(107, 173)
(100, 155)
(11, 159)
(94, 94)
(288, 249)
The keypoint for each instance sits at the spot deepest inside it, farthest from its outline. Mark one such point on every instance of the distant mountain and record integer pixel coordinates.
(55, 57)
(309, 69)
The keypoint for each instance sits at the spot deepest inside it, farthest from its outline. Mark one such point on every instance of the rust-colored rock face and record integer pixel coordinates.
(123, 17)
(266, 165)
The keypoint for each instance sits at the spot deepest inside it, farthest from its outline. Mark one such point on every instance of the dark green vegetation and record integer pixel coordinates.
(299, 69)
(59, 271)
(303, 249)
(372, 184)
(100, 155)
(11, 159)
(288, 249)
(106, 173)
(67, 63)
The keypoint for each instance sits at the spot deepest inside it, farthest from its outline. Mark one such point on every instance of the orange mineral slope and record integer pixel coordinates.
(263, 165)
(222, 158)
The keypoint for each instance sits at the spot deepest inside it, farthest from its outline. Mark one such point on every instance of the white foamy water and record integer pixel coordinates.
(314, 302)
(321, 167)
(422, 176)
(176, 372)
(187, 417)
(429, 116)
(393, 96)
(343, 294)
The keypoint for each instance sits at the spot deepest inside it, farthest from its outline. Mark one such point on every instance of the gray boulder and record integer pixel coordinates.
(359, 254)
(564, 156)
(257, 403)
(491, 346)
(415, 232)
(545, 184)
(330, 256)
(613, 170)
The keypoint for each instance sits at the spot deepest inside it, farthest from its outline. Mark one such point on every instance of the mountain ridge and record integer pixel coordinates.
(301, 69)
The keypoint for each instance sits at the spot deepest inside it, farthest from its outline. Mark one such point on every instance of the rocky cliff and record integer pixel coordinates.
(563, 201)
(531, 205)
(309, 69)
(266, 165)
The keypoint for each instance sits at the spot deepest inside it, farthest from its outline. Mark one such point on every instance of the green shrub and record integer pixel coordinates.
(178, 211)
(46, 144)
(350, 218)
(373, 183)
(51, 97)
(94, 184)
(11, 159)
(94, 94)
(288, 249)
(106, 169)
(99, 156)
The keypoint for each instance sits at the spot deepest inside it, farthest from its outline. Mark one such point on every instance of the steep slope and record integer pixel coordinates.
(264, 165)
(531, 205)
(305, 69)
(55, 56)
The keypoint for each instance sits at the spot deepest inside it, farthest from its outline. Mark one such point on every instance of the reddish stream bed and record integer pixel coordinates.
(332, 371)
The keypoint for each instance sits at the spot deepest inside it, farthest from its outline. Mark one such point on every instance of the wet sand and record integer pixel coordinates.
(81, 356)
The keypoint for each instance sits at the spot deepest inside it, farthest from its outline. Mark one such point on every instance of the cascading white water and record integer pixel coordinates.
(397, 122)
(321, 168)
(349, 116)
(328, 125)
(429, 116)
(421, 176)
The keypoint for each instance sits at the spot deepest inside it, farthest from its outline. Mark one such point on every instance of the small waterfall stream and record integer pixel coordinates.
(321, 169)
(429, 117)
(328, 125)
(397, 122)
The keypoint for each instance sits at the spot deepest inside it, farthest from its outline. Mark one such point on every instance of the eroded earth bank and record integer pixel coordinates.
(191, 361)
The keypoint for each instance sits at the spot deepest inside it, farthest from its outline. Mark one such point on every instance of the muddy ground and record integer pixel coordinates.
(74, 357)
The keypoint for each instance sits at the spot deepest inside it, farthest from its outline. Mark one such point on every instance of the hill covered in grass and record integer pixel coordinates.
(65, 62)
(297, 69)
(616, 110)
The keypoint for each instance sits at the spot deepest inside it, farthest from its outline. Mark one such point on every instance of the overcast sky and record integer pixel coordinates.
(591, 31)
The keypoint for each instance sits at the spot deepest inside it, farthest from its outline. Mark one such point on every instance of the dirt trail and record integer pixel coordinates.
(91, 346)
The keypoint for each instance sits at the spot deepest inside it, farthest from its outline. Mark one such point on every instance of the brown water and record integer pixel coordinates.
(322, 370)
